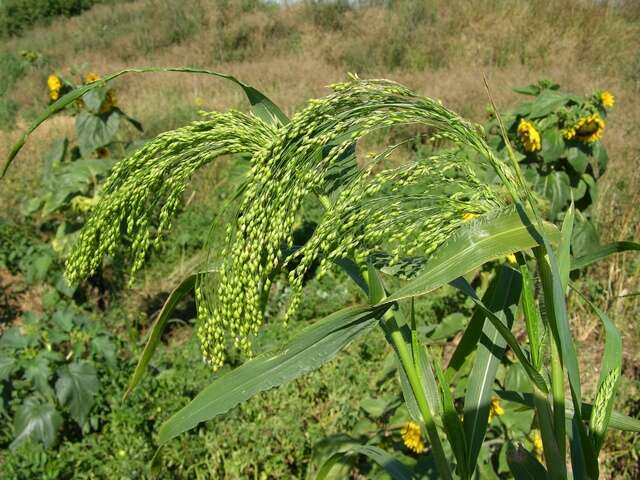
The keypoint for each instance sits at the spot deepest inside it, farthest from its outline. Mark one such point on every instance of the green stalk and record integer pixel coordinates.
(557, 391)
(430, 426)
(557, 368)
(553, 459)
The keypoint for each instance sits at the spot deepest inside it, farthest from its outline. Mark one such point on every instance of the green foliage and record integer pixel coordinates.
(18, 15)
(399, 229)
(11, 69)
(48, 366)
(75, 168)
(557, 140)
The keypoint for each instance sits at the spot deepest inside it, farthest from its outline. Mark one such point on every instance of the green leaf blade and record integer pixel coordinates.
(316, 345)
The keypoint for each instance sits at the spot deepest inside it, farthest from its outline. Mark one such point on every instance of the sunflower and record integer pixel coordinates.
(607, 99)
(529, 136)
(589, 129)
(412, 438)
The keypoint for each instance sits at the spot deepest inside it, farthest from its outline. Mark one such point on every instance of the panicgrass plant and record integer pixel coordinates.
(380, 215)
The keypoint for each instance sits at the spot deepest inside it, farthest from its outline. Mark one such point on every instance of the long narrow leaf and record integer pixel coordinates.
(262, 106)
(506, 334)
(618, 420)
(603, 252)
(313, 347)
(524, 465)
(484, 239)
(609, 375)
(396, 469)
(452, 423)
(159, 325)
(505, 291)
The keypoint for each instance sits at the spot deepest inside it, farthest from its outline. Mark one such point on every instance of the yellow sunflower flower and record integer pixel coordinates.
(529, 136)
(55, 84)
(412, 437)
(91, 77)
(607, 99)
(495, 409)
(589, 129)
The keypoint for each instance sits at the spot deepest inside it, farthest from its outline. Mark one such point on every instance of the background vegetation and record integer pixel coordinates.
(439, 48)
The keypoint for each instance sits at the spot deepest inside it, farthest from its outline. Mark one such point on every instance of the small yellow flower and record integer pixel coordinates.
(91, 77)
(589, 129)
(495, 409)
(511, 258)
(607, 99)
(536, 438)
(412, 437)
(529, 136)
(469, 216)
(55, 84)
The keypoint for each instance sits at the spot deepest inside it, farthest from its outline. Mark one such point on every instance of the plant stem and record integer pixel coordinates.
(553, 459)
(414, 380)
(557, 368)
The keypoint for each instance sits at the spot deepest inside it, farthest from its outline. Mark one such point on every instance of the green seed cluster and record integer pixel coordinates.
(149, 186)
(601, 404)
(404, 210)
(297, 164)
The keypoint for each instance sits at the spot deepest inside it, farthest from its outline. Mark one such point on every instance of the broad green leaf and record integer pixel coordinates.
(93, 99)
(527, 90)
(7, 366)
(262, 106)
(552, 145)
(53, 158)
(12, 339)
(603, 252)
(585, 237)
(76, 388)
(577, 159)
(324, 464)
(505, 292)
(159, 325)
(36, 421)
(314, 346)
(487, 238)
(95, 131)
(396, 469)
(601, 155)
(556, 188)
(37, 371)
(524, 465)
(547, 102)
